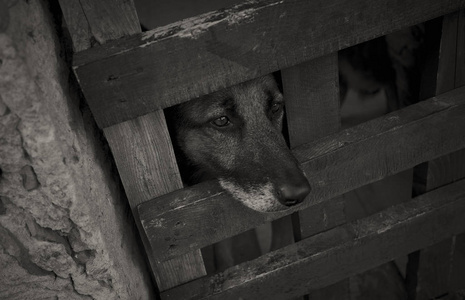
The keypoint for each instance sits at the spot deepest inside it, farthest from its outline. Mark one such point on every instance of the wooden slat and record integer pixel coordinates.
(141, 147)
(312, 108)
(311, 91)
(97, 22)
(437, 262)
(111, 19)
(147, 166)
(445, 80)
(145, 159)
(145, 72)
(192, 218)
(312, 99)
(456, 275)
(77, 24)
(460, 55)
(338, 253)
(445, 170)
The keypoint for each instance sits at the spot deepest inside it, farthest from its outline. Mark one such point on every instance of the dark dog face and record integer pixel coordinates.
(235, 136)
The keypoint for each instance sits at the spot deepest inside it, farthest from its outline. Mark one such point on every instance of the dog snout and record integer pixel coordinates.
(293, 191)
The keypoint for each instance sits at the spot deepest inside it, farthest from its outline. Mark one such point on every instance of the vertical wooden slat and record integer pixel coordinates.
(77, 24)
(312, 99)
(141, 147)
(460, 57)
(440, 265)
(148, 169)
(91, 22)
(456, 274)
(312, 109)
(445, 80)
(312, 106)
(144, 148)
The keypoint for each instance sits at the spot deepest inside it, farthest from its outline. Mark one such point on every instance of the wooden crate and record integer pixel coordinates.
(129, 76)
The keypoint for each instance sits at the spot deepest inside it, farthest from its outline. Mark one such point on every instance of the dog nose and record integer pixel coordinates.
(293, 192)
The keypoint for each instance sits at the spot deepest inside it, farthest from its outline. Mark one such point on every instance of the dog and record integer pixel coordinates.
(235, 136)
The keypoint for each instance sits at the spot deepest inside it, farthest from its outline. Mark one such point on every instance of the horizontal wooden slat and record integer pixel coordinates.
(338, 253)
(191, 218)
(145, 72)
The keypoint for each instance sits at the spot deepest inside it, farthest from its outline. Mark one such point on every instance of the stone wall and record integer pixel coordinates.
(65, 230)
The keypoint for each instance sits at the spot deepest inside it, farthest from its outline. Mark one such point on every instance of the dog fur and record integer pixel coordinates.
(234, 136)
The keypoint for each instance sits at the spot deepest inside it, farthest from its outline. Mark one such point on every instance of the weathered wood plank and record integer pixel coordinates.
(328, 257)
(457, 271)
(141, 147)
(77, 24)
(445, 80)
(456, 282)
(312, 99)
(96, 22)
(311, 91)
(152, 70)
(437, 262)
(460, 55)
(312, 110)
(111, 19)
(201, 215)
(144, 156)
(445, 170)
(147, 166)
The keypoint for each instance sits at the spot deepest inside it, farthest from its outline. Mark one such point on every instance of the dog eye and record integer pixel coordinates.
(276, 107)
(221, 121)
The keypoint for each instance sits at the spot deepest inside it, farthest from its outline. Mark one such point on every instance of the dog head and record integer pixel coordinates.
(234, 136)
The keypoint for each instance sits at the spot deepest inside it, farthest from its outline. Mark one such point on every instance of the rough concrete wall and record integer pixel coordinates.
(64, 229)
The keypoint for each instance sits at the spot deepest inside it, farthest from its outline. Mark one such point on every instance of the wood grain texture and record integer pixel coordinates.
(77, 24)
(445, 80)
(111, 19)
(312, 110)
(147, 166)
(321, 217)
(141, 147)
(307, 88)
(326, 258)
(144, 156)
(97, 22)
(460, 55)
(312, 107)
(456, 282)
(191, 218)
(445, 170)
(312, 99)
(145, 72)
(438, 263)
